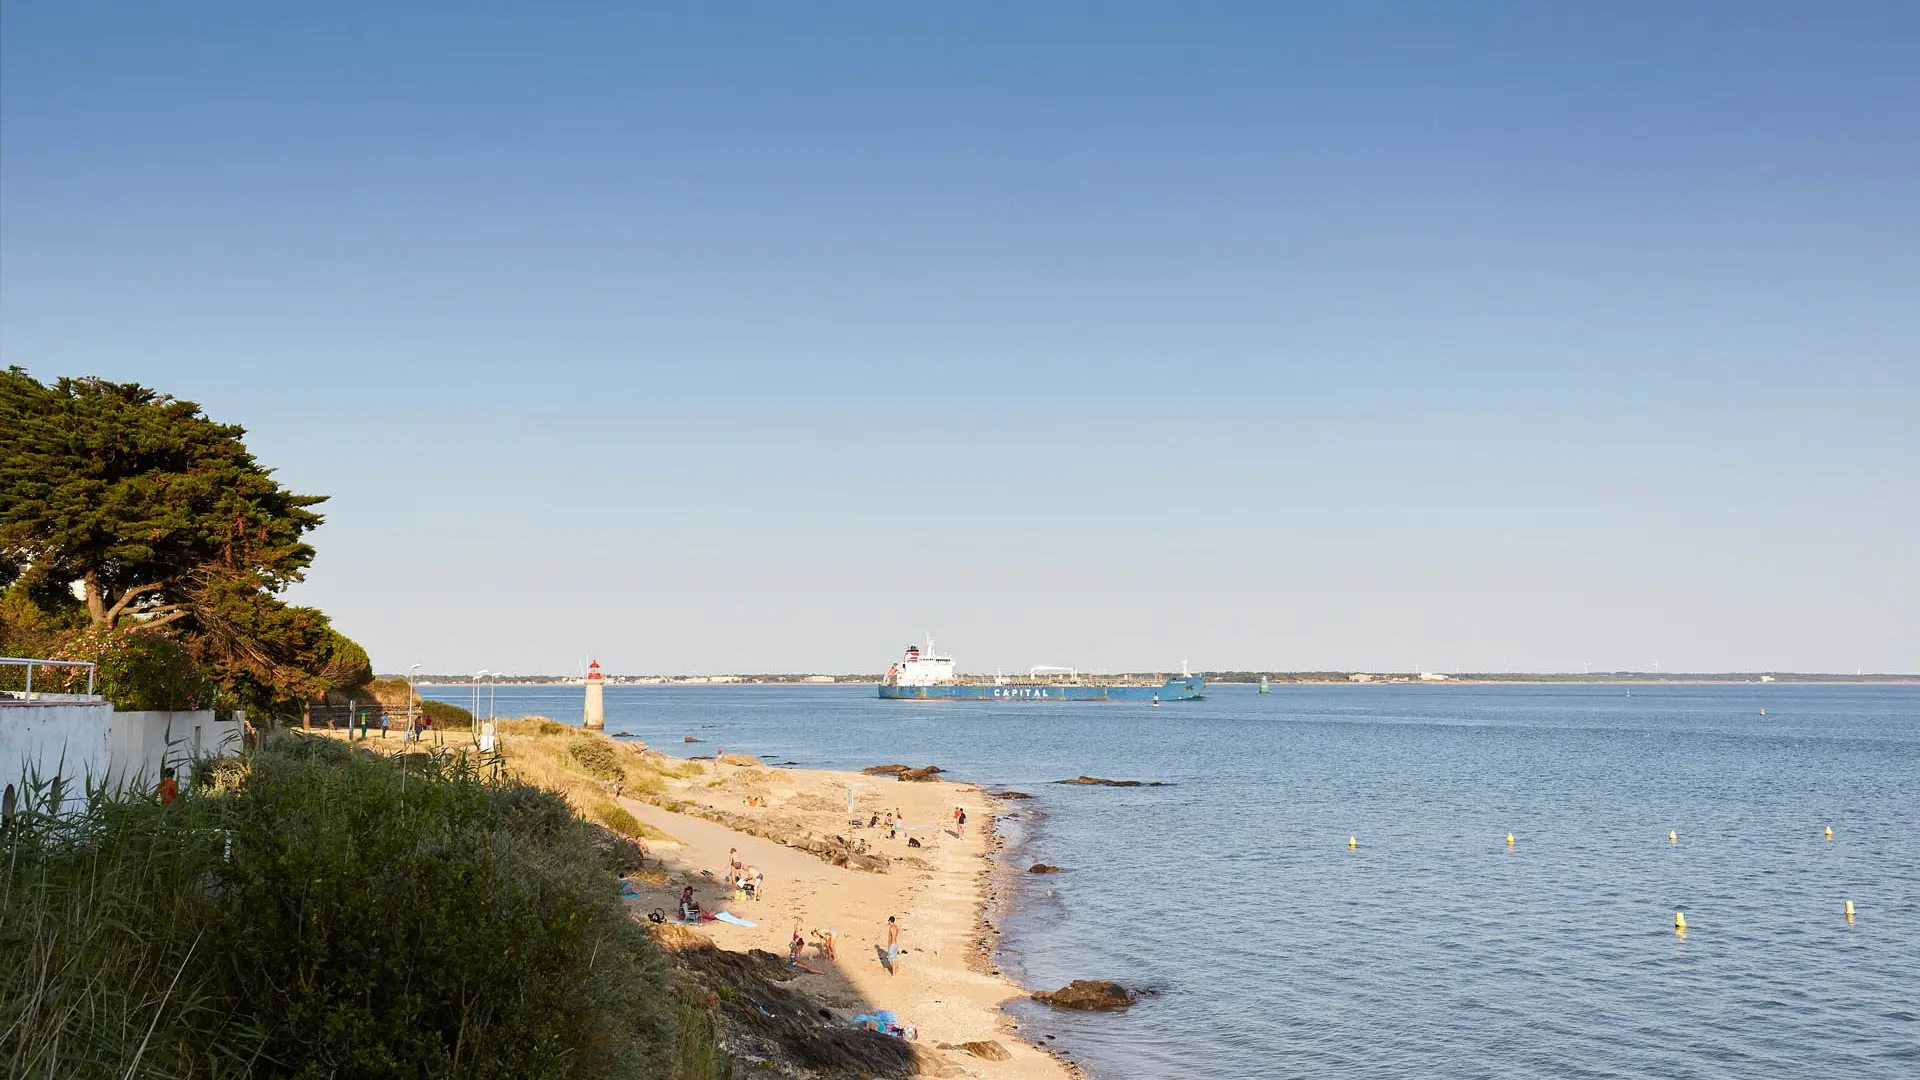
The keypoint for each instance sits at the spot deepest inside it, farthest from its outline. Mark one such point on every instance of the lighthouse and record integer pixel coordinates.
(596, 701)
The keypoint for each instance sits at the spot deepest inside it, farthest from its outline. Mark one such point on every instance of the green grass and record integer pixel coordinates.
(317, 912)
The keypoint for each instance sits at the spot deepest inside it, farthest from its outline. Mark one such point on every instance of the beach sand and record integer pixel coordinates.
(945, 987)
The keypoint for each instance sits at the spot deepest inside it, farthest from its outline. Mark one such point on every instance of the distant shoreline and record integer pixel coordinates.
(1283, 680)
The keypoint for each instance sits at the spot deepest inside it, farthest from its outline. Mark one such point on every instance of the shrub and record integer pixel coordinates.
(331, 913)
(618, 818)
(135, 670)
(597, 757)
(447, 717)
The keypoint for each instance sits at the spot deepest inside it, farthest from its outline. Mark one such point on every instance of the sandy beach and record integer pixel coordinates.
(945, 985)
(938, 884)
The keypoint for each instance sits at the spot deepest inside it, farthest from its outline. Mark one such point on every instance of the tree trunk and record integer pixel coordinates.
(96, 604)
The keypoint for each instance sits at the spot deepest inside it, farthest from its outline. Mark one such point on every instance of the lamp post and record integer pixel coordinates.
(483, 673)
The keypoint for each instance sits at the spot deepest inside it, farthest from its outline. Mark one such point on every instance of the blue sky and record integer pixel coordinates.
(1354, 336)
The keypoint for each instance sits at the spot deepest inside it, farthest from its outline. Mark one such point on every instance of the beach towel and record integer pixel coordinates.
(729, 917)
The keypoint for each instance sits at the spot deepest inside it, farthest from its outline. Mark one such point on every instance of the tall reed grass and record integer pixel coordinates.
(314, 912)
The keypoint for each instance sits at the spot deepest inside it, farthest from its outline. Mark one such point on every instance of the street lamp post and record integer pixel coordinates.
(483, 673)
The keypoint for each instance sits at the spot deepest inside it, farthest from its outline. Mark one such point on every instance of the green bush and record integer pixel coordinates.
(597, 757)
(618, 818)
(330, 913)
(135, 670)
(447, 717)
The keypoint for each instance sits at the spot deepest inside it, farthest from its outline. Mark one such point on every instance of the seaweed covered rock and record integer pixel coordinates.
(1102, 781)
(1086, 994)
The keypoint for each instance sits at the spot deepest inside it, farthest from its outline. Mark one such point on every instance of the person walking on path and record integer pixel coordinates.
(385, 720)
(893, 946)
(960, 822)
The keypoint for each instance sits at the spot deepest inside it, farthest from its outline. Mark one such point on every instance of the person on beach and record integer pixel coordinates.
(733, 865)
(893, 946)
(824, 944)
(689, 907)
(385, 722)
(960, 824)
(796, 946)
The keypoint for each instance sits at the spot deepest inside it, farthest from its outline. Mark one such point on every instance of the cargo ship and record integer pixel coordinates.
(928, 676)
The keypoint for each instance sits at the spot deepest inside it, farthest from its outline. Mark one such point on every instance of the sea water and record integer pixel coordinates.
(1267, 947)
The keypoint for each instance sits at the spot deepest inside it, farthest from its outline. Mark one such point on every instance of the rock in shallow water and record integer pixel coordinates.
(1042, 868)
(1086, 994)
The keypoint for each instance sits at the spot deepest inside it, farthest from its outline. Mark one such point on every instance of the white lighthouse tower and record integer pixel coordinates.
(596, 698)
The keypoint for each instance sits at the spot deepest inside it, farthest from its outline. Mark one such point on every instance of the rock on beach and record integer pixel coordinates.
(1087, 994)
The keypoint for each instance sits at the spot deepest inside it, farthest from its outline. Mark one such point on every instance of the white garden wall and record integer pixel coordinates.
(89, 741)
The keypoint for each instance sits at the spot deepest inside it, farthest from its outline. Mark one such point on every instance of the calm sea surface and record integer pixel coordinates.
(1269, 949)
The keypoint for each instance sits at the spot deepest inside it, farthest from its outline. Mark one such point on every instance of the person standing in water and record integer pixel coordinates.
(893, 946)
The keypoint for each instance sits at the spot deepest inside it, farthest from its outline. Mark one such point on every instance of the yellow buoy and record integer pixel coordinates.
(1352, 843)
(1509, 839)
(1829, 832)
(1673, 836)
(1849, 911)
(1680, 921)
(1763, 712)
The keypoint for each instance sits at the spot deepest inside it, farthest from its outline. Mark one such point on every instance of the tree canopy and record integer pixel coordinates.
(139, 496)
(161, 518)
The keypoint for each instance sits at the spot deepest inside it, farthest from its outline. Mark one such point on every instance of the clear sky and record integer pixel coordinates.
(1461, 336)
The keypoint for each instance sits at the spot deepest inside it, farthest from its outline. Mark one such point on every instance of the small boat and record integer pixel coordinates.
(1263, 685)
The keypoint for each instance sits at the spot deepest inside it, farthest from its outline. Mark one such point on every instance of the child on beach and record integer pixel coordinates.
(795, 946)
(893, 946)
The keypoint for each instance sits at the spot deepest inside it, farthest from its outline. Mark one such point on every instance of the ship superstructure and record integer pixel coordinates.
(926, 675)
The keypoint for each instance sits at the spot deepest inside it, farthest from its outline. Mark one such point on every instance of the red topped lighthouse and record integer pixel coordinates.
(596, 717)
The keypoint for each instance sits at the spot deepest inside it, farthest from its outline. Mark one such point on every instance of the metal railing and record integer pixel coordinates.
(31, 663)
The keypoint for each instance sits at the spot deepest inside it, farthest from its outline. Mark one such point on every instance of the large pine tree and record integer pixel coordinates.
(159, 516)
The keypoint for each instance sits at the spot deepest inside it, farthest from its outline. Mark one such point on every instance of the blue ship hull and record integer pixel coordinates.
(1185, 688)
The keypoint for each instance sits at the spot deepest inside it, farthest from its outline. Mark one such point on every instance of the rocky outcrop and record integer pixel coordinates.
(692, 739)
(837, 850)
(1009, 795)
(737, 759)
(905, 772)
(770, 1020)
(1086, 994)
(981, 1048)
(1104, 782)
(1042, 868)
